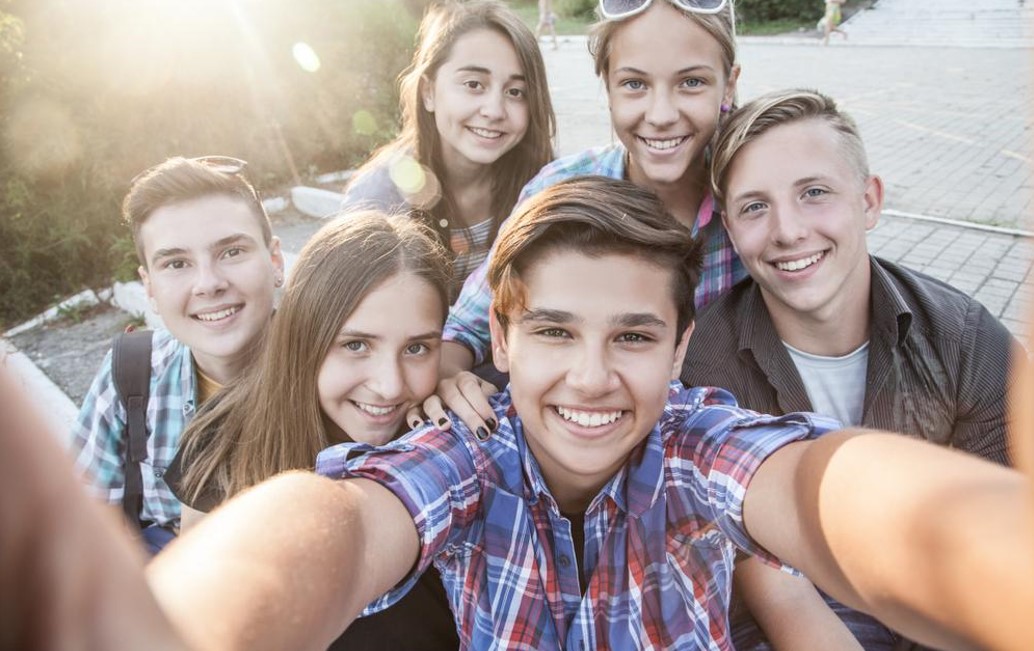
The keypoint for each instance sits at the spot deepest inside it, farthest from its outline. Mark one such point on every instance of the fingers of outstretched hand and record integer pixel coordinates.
(467, 396)
(435, 410)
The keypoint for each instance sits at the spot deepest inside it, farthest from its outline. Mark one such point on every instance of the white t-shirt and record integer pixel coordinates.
(835, 385)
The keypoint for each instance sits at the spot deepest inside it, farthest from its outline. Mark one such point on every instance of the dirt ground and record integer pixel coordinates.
(70, 350)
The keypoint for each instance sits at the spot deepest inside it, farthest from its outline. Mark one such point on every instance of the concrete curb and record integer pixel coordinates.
(56, 407)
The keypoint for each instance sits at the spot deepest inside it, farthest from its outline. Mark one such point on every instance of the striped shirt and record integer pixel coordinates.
(659, 538)
(468, 319)
(100, 437)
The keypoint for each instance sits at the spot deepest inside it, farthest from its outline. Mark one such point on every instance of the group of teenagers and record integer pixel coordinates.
(504, 369)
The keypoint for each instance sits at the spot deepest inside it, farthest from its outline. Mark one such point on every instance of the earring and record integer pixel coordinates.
(726, 108)
(279, 280)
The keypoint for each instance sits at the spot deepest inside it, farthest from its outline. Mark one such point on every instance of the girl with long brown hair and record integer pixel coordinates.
(477, 124)
(354, 344)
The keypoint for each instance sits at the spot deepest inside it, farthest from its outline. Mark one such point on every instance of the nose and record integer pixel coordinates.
(592, 373)
(386, 379)
(493, 105)
(788, 226)
(661, 110)
(210, 280)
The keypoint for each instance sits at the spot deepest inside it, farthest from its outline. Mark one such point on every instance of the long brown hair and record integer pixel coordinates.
(441, 27)
(270, 420)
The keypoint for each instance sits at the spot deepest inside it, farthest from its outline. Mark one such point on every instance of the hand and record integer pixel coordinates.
(466, 395)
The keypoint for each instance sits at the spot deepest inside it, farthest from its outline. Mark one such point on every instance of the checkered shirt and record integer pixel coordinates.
(468, 317)
(100, 436)
(660, 537)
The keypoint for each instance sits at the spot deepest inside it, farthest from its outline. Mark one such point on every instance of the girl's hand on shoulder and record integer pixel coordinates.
(466, 395)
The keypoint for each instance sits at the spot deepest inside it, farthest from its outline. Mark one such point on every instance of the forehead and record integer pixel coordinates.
(789, 152)
(686, 44)
(597, 288)
(197, 224)
(483, 48)
(404, 305)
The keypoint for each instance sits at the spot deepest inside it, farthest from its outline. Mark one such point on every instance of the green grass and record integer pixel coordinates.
(528, 10)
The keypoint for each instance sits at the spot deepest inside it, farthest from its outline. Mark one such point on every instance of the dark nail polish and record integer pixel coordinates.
(443, 421)
(491, 424)
(481, 433)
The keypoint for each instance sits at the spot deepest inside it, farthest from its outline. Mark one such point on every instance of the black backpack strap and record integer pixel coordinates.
(131, 371)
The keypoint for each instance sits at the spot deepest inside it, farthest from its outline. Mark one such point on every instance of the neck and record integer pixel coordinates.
(683, 197)
(834, 331)
(222, 370)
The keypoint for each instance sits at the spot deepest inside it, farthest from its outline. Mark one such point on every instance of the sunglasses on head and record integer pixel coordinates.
(221, 164)
(618, 9)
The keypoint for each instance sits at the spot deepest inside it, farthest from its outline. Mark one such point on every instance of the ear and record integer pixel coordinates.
(725, 224)
(680, 351)
(500, 351)
(427, 94)
(729, 96)
(276, 256)
(146, 280)
(872, 200)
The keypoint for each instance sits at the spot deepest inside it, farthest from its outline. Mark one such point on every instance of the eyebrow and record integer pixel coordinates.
(683, 71)
(359, 334)
(485, 71)
(625, 320)
(218, 244)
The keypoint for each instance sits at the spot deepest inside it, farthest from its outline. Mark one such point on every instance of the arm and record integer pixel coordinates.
(952, 535)
(235, 582)
(98, 438)
(70, 577)
(189, 518)
(987, 353)
(789, 610)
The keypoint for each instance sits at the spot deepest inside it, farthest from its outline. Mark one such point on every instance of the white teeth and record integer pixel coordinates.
(803, 263)
(221, 314)
(486, 133)
(662, 145)
(374, 410)
(588, 419)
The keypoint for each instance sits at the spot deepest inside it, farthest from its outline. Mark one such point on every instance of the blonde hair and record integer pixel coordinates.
(774, 109)
(720, 26)
(270, 420)
(441, 27)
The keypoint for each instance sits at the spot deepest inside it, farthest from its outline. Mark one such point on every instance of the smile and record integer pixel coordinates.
(803, 263)
(218, 315)
(486, 133)
(375, 410)
(662, 144)
(588, 418)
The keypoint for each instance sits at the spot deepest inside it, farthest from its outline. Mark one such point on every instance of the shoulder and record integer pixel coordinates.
(938, 310)
(373, 189)
(606, 161)
(716, 335)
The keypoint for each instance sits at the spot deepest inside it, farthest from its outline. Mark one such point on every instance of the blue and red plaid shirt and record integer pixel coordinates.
(468, 317)
(660, 537)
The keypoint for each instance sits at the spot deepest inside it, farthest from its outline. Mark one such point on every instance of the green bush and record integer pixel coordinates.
(576, 8)
(93, 92)
(756, 11)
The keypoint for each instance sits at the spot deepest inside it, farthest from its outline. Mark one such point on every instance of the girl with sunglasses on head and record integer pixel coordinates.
(670, 72)
(338, 370)
(477, 124)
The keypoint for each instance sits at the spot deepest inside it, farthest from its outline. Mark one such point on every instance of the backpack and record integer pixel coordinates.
(131, 372)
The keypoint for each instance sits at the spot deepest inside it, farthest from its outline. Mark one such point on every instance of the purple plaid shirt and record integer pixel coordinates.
(468, 317)
(660, 537)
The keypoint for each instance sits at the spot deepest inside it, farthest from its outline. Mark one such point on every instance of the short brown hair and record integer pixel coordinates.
(772, 110)
(182, 179)
(596, 216)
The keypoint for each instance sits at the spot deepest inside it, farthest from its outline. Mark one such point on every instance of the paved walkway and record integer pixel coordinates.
(941, 92)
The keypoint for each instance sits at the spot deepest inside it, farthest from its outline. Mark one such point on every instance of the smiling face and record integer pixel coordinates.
(665, 101)
(478, 97)
(384, 361)
(797, 210)
(590, 355)
(210, 277)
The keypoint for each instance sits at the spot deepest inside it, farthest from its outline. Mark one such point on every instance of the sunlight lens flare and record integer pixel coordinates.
(306, 57)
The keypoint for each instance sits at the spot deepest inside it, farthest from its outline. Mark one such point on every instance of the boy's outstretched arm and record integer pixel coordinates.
(937, 544)
(70, 575)
(286, 565)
